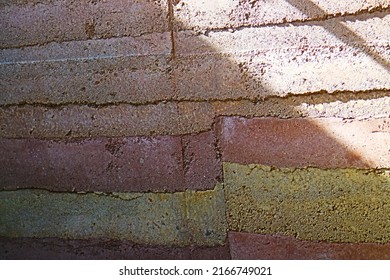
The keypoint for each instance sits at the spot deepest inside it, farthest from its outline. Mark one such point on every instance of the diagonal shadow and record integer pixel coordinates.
(228, 66)
(209, 77)
(341, 31)
(219, 73)
(250, 146)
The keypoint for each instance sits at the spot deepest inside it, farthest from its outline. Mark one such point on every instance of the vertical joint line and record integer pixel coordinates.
(171, 27)
(217, 145)
(183, 155)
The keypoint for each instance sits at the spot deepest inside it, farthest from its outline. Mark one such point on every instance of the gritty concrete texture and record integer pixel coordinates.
(101, 249)
(212, 77)
(224, 14)
(76, 121)
(27, 23)
(136, 104)
(360, 109)
(250, 63)
(297, 59)
(162, 163)
(337, 205)
(344, 105)
(179, 219)
(95, 72)
(103, 164)
(366, 30)
(249, 246)
(148, 44)
(253, 76)
(202, 164)
(325, 143)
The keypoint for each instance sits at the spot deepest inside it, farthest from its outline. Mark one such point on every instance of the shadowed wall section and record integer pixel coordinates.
(194, 129)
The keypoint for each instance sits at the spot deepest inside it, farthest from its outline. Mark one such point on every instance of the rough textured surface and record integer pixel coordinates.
(202, 165)
(138, 96)
(111, 164)
(360, 109)
(39, 22)
(290, 59)
(274, 61)
(341, 105)
(249, 246)
(131, 70)
(120, 120)
(179, 219)
(115, 164)
(352, 205)
(323, 36)
(169, 118)
(325, 143)
(101, 249)
(220, 14)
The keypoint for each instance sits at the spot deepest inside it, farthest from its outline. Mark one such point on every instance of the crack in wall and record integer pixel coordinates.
(344, 33)
(346, 16)
(337, 95)
(171, 25)
(289, 96)
(363, 14)
(95, 38)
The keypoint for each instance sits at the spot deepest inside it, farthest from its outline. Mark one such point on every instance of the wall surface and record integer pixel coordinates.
(179, 129)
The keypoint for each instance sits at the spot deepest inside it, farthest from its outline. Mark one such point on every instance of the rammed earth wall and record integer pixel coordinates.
(180, 129)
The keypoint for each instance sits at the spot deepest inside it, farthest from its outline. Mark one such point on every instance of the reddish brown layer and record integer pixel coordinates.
(257, 246)
(325, 143)
(164, 163)
(53, 248)
(202, 166)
